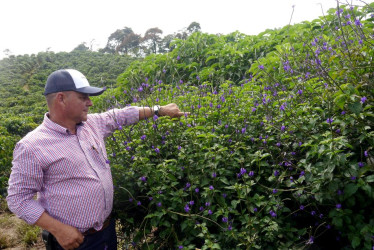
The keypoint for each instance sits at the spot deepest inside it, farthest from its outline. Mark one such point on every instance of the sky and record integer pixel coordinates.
(32, 26)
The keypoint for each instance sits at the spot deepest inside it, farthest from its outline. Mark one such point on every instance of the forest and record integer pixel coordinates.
(277, 152)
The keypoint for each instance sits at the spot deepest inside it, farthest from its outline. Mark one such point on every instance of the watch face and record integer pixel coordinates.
(156, 109)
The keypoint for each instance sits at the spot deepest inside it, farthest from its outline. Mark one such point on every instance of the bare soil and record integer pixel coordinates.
(11, 234)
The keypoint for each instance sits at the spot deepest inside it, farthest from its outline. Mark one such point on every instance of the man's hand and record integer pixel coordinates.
(171, 110)
(69, 237)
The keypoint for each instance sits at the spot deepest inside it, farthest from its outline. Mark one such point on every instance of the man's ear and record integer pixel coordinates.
(60, 98)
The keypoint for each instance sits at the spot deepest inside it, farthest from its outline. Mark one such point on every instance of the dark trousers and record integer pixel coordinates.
(103, 240)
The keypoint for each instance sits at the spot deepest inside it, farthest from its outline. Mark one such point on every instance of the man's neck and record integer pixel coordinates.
(71, 126)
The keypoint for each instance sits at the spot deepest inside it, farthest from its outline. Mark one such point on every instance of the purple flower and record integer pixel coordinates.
(180, 247)
(214, 174)
(143, 137)
(140, 89)
(363, 99)
(224, 195)
(211, 187)
(361, 164)
(197, 190)
(179, 147)
(353, 178)
(299, 91)
(143, 178)
(251, 173)
(282, 107)
(159, 204)
(210, 211)
(223, 99)
(343, 112)
(278, 144)
(313, 213)
(192, 203)
(311, 240)
(276, 173)
(366, 154)
(275, 191)
(198, 78)
(302, 173)
(155, 117)
(283, 128)
(255, 209)
(139, 203)
(243, 171)
(178, 57)
(188, 185)
(253, 109)
(261, 67)
(225, 219)
(358, 23)
(272, 213)
(187, 208)
(302, 207)
(338, 206)
(207, 204)
(243, 130)
(157, 150)
(329, 120)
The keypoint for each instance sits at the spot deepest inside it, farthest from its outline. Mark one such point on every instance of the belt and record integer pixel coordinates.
(93, 230)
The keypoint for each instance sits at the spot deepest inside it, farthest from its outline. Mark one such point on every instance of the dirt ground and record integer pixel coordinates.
(12, 232)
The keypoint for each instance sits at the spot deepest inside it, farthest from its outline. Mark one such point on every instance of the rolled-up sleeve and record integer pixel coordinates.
(25, 181)
(111, 120)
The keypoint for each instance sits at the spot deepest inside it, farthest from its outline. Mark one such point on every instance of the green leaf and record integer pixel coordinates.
(350, 189)
(370, 178)
(355, 241)
(355, 107)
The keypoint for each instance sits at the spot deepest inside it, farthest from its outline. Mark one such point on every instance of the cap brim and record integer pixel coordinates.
(92, 91)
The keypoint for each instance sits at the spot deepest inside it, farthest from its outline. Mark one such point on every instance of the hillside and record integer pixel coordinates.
(277, 149)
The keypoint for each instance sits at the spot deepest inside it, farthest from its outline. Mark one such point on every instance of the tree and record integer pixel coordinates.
(81, 47)
(130, 44)
(115, 40)
(193, 27)
(152, 38)
(164, 45)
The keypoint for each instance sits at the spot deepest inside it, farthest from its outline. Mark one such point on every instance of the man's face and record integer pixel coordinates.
(77, 106)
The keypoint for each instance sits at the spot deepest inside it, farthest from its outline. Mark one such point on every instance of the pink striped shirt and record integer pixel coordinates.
(69, 173)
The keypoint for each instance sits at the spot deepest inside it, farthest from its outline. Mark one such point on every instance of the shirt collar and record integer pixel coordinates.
(56, 127)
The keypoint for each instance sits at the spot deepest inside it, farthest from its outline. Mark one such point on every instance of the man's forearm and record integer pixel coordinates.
(170, 110)
(48, 223)
(145, 112)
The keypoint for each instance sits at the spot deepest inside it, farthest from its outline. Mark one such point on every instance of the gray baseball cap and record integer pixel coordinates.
(70, 80)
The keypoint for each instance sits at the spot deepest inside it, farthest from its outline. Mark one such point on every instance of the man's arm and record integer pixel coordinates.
(171, 110)
(67, 236)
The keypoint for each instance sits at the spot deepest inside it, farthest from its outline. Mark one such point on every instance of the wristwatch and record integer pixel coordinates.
(156, 109)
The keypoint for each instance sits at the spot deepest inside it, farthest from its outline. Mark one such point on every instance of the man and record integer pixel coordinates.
(64, 162)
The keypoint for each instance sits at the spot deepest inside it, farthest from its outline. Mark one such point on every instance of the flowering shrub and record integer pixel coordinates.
(282, 157)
